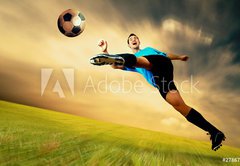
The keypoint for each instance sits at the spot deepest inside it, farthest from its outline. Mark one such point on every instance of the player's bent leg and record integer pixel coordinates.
(173, 97)
(143, 62)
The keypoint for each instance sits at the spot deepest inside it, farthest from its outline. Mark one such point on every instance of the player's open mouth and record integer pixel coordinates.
(134, 43)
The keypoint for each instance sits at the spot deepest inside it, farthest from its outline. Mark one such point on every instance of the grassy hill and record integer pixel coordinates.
(34, 136)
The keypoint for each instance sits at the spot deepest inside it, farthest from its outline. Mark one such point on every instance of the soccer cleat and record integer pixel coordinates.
(106, 59)
(217, 139)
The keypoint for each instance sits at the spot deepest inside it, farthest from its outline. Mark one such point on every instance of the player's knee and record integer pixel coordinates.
(175, 103)
(180, 106)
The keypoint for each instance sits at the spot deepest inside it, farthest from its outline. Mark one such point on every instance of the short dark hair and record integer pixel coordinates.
(132, 34)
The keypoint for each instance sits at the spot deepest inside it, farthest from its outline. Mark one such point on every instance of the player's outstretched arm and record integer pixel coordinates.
(177, 57)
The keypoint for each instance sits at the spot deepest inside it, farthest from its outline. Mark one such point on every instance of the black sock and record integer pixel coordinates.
(130, 59)
(197, 119)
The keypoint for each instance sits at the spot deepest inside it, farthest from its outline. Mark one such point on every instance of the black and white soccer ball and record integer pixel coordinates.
(71, 23)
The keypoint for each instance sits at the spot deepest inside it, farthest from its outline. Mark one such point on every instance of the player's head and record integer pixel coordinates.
(133, 41)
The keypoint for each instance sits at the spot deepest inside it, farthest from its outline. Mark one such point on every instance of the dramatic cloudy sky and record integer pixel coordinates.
(208, 31)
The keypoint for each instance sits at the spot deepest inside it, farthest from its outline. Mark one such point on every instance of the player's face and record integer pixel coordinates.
(134, 42)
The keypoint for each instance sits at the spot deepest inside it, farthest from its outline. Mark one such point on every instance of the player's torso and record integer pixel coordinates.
(149, 51)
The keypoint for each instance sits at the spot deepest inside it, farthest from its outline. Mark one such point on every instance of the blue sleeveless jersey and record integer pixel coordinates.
(146, 73)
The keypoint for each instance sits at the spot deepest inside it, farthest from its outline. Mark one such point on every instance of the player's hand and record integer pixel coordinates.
(184, 57)
(102, 44)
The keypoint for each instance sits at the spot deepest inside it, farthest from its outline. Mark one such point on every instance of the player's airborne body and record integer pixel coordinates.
(157, 68)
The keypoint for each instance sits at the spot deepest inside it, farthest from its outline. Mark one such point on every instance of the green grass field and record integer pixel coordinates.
(34, 136)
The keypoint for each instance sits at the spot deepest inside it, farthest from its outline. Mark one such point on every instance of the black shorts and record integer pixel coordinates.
(162, 70)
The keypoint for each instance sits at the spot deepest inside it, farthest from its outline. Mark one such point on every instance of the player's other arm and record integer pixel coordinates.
(103, 45)
(177, 57)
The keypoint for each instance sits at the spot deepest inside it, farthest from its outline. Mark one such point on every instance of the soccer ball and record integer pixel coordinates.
(71, 23)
